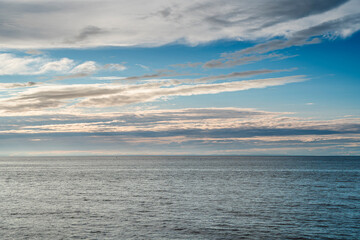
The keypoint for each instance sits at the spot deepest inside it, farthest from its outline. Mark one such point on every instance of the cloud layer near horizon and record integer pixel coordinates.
(213, 130)
(52, 24)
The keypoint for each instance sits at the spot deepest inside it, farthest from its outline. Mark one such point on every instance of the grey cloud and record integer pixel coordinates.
(189, 64)
(159, 74)
(24, 106)
(47, 24)
(141, 126)
(169, 73)
(17, 85)
(233, 61)
(114, 66)
(138, 118)
(283, 10)
(86, 33)
(239, 75)
(187, 90)
(54, 96)
(68, 92)
(231, 132)
(34, 52)
(70, 76)
(97, 95)
(304, 37)
(269, 13)
(11, 28)
(141, 117)
(210, 128)
(31, 7)
(165, 12)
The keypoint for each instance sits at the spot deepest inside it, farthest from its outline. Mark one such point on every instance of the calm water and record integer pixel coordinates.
(180, 198)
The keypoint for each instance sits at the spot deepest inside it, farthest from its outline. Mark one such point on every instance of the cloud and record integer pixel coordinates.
(276, 12)
(146, 94)
(71, 76)
(34, 52)
(104, 95)
(208, 130)
(312, 35)
(235, 60)
(17, 85)
(13, 65)
(158, 22)
(238, 75)
(86, 67)
(158, 74)
(85, 34)
(114, 67)
(206, 125)
(303, 37)
(29, 65)
(170, 73)
(187, 65)
(89, 68)
(143, 67)
(109, 78)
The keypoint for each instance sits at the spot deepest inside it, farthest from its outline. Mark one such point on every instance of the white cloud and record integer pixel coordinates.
(86, 67)
(108, 78)
(28, 65)
(62, 65)
(11, 64)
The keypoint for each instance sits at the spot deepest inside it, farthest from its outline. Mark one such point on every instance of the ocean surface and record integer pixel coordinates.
(180, 198)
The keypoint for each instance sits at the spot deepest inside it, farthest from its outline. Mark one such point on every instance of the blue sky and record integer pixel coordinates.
(173, 77)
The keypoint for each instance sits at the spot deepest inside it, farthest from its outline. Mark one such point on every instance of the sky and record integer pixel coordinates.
(174, 77)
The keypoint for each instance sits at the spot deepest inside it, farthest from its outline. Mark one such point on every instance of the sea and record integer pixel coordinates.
(180, 197)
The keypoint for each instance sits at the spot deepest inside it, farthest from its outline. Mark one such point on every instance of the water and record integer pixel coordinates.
(180, 198)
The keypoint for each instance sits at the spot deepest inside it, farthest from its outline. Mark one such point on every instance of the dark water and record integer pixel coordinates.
(180, 198)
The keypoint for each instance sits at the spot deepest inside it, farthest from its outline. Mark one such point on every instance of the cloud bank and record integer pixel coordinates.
(52, 24)
(182, 131)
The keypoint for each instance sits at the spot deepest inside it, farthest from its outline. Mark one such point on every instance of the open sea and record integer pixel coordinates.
(188, 197)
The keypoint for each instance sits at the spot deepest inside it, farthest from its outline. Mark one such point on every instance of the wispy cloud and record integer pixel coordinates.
(17, 85)
(105, 95)
(312, 35)
(143, 67)
(239, 75)
(34, 52)
(115, 67)
(159, 74)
